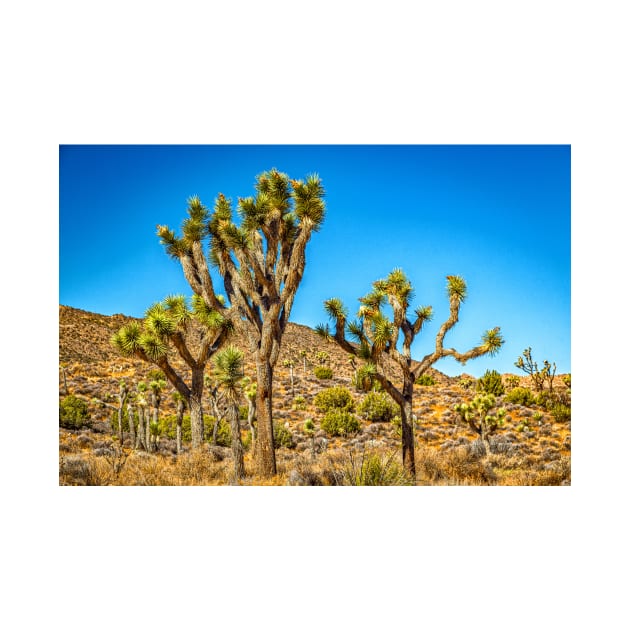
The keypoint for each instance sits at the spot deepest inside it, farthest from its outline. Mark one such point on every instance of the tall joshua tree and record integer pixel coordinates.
(196, 333)
(261, 259)
(378, 335)
(228, 370)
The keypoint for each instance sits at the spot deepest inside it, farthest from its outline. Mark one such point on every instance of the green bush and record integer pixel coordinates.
(491, 383)
(299, 402)
(340, 422)
(377, 407)
(282, 436)
(323, 372)
(73, 413)
(334, 398)
(520, 396)
(426, 380)
(561, 412)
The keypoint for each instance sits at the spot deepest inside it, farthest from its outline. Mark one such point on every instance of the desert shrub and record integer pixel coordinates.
(520, 396)
(466, 382)
(323, 372)
(334, 398)
(282, 436)
(426, 380)
(512, 381)
(73, 413)
(491, 383)
(224, 432)
(340, 422)
(374, 469)
(566, 379)
(74, 470)
(377, 407)
(560, 412)
(299, 402)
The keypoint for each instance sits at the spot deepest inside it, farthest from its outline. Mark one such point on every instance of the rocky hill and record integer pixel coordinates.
(532, 448)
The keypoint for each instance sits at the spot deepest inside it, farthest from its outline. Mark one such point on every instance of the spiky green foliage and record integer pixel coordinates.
(456, 288)
(228, 367)
(477, 414)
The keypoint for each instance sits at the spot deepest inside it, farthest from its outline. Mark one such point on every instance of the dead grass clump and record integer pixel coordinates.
(76, 470)
(455, 466)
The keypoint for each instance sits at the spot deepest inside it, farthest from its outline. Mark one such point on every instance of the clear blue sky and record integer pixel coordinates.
(500, 216)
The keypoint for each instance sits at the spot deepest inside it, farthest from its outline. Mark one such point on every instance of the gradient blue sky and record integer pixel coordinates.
(500, 216)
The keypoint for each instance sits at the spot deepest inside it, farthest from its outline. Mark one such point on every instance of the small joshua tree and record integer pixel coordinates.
(290, 364)
(478, 417)
(180, 405)
(123, 392)
(228, 370)
(378, 333)
(195, 333)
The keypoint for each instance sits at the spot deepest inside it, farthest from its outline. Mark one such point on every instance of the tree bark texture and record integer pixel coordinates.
(237, 445)
(196, 408)
(265, 452)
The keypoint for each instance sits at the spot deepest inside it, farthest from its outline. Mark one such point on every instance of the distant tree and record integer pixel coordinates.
(378, 334)
(141, 407)
(290, 364)
(261, 261)
(303, 354)
(195, 333)
(228, 370)
(123, 392)
(539, 377)
(180, 404)
(156, 386)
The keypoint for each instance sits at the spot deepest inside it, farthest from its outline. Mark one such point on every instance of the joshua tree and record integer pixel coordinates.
(529, 366)
(249, 389)
(261, 261)
(131, 420)
(123, 392)
(228, 371)
(141, 405)
(303, 353)
(290, 364)
(195, 333)
(180, 403)
(378, 336)
(476, 415)
(156, 386)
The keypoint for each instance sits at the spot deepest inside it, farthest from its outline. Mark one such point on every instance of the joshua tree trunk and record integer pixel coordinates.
(237, 445)
(132, 426)
(180, 419)
(147, 428)
(140, 440)
(406, 411)
(196, 408)
(251, 416)
(266, 456)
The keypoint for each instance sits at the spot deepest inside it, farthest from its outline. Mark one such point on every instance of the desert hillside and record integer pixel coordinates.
(533, 446)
